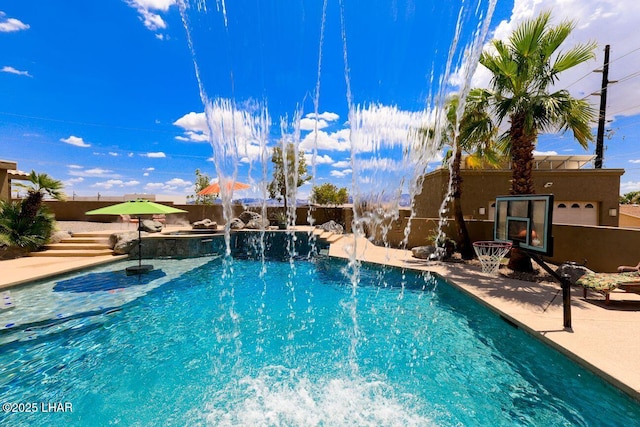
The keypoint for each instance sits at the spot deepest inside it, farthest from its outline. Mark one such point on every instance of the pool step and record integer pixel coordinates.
(79, 245)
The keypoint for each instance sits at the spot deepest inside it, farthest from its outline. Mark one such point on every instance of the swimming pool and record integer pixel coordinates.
(281, 343)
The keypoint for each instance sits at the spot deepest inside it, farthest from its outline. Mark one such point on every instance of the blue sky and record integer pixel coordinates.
(104, 95)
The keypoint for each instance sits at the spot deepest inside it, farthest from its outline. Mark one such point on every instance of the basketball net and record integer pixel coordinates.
(490, 254)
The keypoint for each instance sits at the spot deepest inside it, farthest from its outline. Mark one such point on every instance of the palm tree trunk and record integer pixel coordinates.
(31, 205)
(464, 242)
(522, 146)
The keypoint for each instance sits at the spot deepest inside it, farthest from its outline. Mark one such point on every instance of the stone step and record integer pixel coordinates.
(72, 253)
(95, 234)
(102, 240)
(76, 246)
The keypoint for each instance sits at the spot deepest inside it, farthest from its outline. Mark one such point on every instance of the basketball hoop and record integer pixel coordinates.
(490, 253)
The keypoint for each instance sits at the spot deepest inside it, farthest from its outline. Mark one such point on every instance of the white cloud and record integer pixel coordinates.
(8, 25)
(155, 155)
(11, 70)
(342, 164)
(175, 184)
(336, 141)
(148, 12)
(634, 161)
(340, 174)
(320, 160)
(179, 182)
(74, 140)
(113, 153)
(150, 169)
(107, 185)
(310, 124)
(75, 167)
(626, 187)
(545, 153)
(236, 131)
(94, 173)
(194, 124)
(71, 181)
(330, 117)
(603, 21)
(145, 174)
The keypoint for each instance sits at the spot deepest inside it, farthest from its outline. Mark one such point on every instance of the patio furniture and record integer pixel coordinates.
(605, 283)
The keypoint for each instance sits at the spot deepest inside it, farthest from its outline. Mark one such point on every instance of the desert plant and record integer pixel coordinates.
(19, 231)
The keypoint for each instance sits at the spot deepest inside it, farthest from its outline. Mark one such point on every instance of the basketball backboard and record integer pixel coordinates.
(525, 221)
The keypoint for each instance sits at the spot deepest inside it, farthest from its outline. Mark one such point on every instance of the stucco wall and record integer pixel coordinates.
(73, 210)
(480, 187)
(604, 248)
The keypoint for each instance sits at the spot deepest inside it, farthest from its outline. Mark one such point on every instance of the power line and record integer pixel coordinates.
(71, 122)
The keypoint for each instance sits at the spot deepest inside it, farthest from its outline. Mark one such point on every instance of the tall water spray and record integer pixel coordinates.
(353, 87)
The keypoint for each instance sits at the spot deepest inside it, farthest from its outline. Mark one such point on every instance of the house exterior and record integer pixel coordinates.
(6, 168)
(8, 173)
(582, 195)
(630, 216)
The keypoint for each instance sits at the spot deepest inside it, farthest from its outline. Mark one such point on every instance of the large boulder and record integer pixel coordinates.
(123, 243)
(424, 252)
(236, 224)
(151, 226)
(257, 224)
(332, 226)
(59, 236)
(247, 216)
(205, 224)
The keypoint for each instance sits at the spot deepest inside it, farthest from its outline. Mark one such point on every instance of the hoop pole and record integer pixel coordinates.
(566, 289)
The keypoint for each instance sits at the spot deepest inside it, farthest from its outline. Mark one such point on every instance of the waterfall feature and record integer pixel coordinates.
(345, 86)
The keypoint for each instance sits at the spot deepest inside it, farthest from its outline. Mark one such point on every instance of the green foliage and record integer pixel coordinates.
(631, 198)
(524, 70)
(41, 185)
(287, 175)
(329, 194)
(16, 229)
(202, 182)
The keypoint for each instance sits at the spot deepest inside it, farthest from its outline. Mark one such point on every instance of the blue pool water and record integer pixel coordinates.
(285, 345)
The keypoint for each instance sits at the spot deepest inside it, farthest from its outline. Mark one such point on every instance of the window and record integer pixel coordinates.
(562, 205)
(588, 206)
(575, 205)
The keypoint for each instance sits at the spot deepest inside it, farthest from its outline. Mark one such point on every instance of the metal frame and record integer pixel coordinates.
(546, 248)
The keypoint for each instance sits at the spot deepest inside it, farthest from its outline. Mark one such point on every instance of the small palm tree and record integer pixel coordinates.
(524, 69)
(472, 133)
(41, 184)
(27, 234)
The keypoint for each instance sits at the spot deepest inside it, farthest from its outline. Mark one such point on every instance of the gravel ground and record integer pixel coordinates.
(85, 226)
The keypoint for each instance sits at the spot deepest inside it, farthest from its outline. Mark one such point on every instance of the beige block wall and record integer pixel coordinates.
(604, 248)
(480, 188)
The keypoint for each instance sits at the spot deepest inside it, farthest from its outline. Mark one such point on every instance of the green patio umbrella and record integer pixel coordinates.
(136, 208)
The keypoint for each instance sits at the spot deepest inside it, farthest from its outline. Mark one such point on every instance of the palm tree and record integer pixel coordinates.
(472, 133)
(41, 184)
(525, 68)
(25, 234)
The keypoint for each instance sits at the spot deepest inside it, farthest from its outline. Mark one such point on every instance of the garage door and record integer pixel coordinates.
(578, 213)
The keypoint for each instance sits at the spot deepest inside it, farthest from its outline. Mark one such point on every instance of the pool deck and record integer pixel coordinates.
(603, 338)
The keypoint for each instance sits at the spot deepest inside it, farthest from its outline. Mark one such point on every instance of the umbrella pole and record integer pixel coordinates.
(139, 242)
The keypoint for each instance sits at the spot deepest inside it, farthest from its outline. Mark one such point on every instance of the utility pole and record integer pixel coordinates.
(603, 110)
